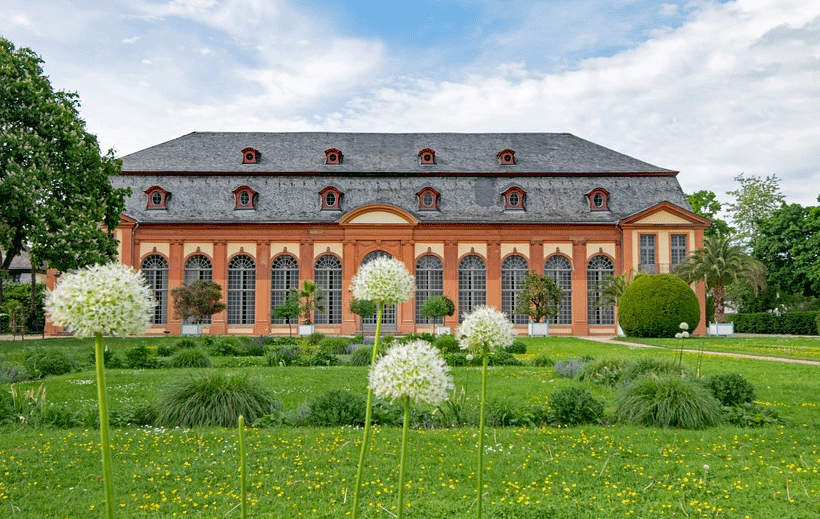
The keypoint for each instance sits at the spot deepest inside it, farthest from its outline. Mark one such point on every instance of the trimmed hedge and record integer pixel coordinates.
(655, 305)
(790, 323)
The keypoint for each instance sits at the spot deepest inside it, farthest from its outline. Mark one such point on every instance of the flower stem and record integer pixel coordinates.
(368, 413)
(243, 469)
(481, 434)
(108, 472)
(403, 454)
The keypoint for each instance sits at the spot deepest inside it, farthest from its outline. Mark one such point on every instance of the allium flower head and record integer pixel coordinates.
(684, 326)
(383, 280)
(415, 369)
(485, 331)
(109, 299)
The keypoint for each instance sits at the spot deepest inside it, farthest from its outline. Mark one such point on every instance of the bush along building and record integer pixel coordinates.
(468, 214)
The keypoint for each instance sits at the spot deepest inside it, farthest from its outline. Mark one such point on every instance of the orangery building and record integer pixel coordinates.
(468, 214)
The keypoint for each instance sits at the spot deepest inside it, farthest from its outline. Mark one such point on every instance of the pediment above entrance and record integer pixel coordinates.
(665, 213)
(378, 214)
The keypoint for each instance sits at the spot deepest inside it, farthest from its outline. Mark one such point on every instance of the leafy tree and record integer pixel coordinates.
(755, 200)
(310, 299)
(720, 263)
(611, 288)
(437, 307)
(57, 198)
(197, 300)
(363, 307)
(539, 297)
(705, 203)
(287, 310)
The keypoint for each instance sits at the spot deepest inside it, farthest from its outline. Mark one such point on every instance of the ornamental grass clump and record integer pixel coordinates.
(668, 401)
(384, 281)
(483, 332)
(409, 372)
(102, 299)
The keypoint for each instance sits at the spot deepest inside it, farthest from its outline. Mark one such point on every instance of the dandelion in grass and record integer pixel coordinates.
(102, 299)
(384, 280)
(483, 332)
(410, 372)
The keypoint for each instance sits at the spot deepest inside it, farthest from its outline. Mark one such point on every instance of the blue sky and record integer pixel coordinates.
(712, 89)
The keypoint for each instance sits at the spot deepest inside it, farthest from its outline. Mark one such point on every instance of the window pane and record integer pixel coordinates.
(560, 270)
(429, 279)
(199, 268)
(597, 270)
(155, 270)
(647, 253)
(389, 315)
(472, 285)
(327, 274)
(513, 271)
(284, 276)
(241, 290)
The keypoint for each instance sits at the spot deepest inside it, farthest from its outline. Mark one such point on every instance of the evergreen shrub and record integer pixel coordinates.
(655, 305)
(139, 357)
(338, 407)
(447, 344)
(517, 347)
(48, 361)
(789, 323)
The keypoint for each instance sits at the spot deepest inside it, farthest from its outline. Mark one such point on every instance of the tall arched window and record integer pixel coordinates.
(389, 317)
(429, 283)
(155, 270)
(513, 271)
(327, 273)
(597, 270)
(560, 270)
(472, 285)
(241, 290)
(198, 268)
(284, 276)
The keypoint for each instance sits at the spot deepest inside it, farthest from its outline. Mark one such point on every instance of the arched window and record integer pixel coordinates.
(513, 271)
(429, 283)
(597, 269)
(198, 268)
(284, 276)
(155, 270)
(241, 290)
(560, 270)
(389, 316)
(472, 285)
(327, 273)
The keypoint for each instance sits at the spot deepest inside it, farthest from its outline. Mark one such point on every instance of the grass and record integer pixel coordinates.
(802, 348)
(580, 472)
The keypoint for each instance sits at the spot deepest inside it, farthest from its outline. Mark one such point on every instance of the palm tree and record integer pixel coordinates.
(720, 263)
(310, 299)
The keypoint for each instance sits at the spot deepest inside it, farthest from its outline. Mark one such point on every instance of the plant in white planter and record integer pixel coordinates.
(310, 300)
(539, 297)
(288, 311)
(437, 307)
(196, 301)
(363, 308)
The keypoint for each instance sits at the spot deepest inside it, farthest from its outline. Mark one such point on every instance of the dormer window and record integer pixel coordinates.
(157, 197)
(245, 198)
(428, 199)
(333, 156)
(514, 199)
(427, 156)
(250, 156)
(506, 157)
(598, 199)
(331, 198)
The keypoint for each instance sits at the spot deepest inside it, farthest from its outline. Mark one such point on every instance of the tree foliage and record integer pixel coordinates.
(437, 307)
(755, 200)
(197, 300)
(539, 297)
(287, 310)
(310, 299)
(705, 203)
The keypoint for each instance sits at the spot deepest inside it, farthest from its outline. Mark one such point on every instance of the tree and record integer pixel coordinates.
(756, 199)
(197, 300)
(611, 288)
(720, 263)
(539, 297)
(287, 310)
(310, 299)
(363, 308)
(54, 182)
(705, 203)
(437, 307)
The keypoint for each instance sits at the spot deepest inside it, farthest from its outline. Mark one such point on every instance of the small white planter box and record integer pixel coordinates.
(443, 330)
(191, 329)
(539, 329)
(721, 329)
(304, 329)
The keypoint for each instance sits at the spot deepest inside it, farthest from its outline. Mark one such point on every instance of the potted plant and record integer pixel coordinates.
(539, 297)
(363, 308)
(310, 299)
(196, 301)
(288, 310)
(437, 307)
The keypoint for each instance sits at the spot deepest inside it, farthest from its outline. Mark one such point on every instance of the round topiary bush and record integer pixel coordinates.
(654, 306)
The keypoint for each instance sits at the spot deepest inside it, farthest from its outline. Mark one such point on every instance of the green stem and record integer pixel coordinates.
(368, 413)
(481, 434)
(243, 469)
(108, 472)
(403, 454)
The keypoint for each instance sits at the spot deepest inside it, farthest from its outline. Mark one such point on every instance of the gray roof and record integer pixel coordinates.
(383, 153)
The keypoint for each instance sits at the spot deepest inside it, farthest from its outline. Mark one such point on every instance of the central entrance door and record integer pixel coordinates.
(389, 317)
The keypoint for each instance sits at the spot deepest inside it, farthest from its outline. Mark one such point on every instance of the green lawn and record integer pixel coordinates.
(581, 472)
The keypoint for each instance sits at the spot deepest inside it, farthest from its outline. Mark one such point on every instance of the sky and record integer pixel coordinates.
(710, 88)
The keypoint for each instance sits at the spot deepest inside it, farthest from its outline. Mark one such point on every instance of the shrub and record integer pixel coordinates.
(455, 360)
(751, 415)
(165, 350)
(110, 359)
(139, 415)
(194, 358)
(542, 361)
(282, 354)
(503, 413)
(503, 358)
(361, 356)
(789, 323)
(668, 402)
(224, 347)
(653, 367)
(655, 305)
(139, 357)
(569, 368)
(603, 371)
(447, 344)
(335, 345)
(424, 336)
(338, 407)
(48, 361)
(251, 347)
(12, 373)
(314, 338)
(575, 406)
(213, 399)
(517, 347)
(730, 389)
(186, 343)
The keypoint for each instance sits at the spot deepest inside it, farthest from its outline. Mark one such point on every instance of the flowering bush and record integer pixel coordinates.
(383, 280)
(485, 331)
(415, 370)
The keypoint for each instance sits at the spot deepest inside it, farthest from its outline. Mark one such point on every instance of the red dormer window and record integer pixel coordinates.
(245, 197)
(598, 199)
(506, 157)
(157, 197)
(250, 156)
(331, 198)
(514, 199)
(428, 199)
(333, 156)
(427, 156)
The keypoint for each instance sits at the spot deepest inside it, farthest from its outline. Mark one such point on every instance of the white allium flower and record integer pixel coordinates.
(484, 331)
(415, 370)
(383, 280)
(685, 335)
(109, 299)
(678, 335)
(684, 326)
